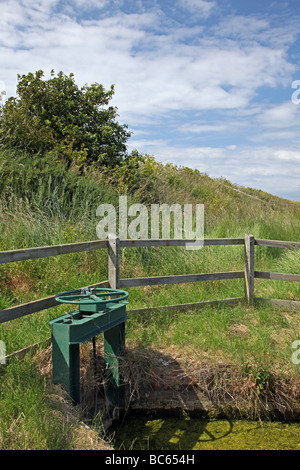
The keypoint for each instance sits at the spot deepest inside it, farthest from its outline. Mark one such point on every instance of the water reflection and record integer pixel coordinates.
(168, 434)
(142, 433)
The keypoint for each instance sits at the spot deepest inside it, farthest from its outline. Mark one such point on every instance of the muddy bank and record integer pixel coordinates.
(212, 390)
(156, 382)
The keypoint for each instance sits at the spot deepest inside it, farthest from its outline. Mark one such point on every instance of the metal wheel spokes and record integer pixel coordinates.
(87, 296)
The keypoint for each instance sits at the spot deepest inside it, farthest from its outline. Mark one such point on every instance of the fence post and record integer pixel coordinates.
(114, 261)
(114, 339)
(249, 268)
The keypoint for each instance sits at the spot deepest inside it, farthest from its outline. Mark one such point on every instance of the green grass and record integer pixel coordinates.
(28, 420)
(260, 335)
(35, 415)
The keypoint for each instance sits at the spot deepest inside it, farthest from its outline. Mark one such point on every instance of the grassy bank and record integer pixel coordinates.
(35, 415)
(42, 204)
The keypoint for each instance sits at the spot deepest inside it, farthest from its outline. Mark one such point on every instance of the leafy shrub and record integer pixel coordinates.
(55, 114)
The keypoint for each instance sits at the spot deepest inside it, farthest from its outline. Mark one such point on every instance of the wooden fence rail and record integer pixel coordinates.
(46, 251)
(11, 256)
(114, 245)
(180, 279)
(277, 243)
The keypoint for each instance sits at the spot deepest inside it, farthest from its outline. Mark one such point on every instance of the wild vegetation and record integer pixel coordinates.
(48, 197)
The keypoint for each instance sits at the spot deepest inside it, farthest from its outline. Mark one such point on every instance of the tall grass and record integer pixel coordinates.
(35, 415)
(27, 420)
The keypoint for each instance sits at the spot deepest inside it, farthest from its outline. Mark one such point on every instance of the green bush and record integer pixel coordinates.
(75, 123)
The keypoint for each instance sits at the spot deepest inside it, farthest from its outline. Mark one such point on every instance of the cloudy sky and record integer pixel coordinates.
(209, 84)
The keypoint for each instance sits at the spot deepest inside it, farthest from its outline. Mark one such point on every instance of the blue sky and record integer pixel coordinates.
(201, 83)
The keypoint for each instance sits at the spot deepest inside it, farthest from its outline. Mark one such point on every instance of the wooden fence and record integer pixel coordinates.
(114, 245)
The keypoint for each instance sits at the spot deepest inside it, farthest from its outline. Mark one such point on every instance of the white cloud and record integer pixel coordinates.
(282, 115)
(275, 136)
(2, 86)
(277, 124)
(256, 167)
(199, 128)
(288, 155)
(153, 74)
(199, 6)
(89, 4)
(251, 29)
(245, 27)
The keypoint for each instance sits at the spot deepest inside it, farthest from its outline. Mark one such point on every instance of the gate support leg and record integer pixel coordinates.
(66, 363)
(114, 346)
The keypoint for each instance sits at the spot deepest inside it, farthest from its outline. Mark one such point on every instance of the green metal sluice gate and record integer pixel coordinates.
(98, 311)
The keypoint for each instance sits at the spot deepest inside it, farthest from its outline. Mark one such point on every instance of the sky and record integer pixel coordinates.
(207, 84)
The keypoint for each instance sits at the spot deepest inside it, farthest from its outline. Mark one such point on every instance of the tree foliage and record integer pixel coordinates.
(77, 124)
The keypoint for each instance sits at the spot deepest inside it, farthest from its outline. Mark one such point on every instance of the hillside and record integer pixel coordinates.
(46, 187)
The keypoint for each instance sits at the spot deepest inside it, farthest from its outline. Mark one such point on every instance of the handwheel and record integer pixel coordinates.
(90, 296)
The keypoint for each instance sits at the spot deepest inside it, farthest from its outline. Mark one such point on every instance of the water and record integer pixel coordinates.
(144, 433)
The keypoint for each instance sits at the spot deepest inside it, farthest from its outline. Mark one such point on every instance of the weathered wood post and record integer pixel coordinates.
(114, 339)
(114, 261)
(249, 268)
